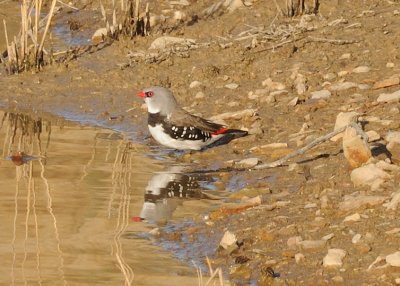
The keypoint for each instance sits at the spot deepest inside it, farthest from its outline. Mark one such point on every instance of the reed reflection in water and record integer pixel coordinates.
(67, 195)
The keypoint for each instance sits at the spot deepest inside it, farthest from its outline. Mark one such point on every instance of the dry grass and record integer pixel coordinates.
(216, 276)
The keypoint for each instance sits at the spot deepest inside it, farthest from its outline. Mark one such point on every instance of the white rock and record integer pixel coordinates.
(273, 85)
(99, 34)
(235, 115)
(389, 97)
(232, 5)
(248, 163)
(165, 41)
(366, 175)
(343, 119)
(355, 202)
(390, 65)
(329, 76)
(393, 204)
(310, 206)
(342, 73)
(328, 236)
(361, 69)
(324, 93)
(300, 83)
(393, 136)
(312, 244)
(179, 16)
(232, 85)
(356, 238)
(393, 259)
(200, 95)
(228, 239)
(294, 241)
(373, 136)
(334, 257)
(343, 86)
(345, 56)
(293, 102)
(352, 218)
(195, 84)
(279, 92)
(299, 257)
(386, 166)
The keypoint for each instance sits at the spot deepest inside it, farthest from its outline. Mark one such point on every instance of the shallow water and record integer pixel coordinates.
(70, 201)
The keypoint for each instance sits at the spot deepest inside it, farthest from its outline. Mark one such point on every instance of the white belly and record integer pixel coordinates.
(166, 140)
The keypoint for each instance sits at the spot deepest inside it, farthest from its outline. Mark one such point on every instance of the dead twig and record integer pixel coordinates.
(311, 145)
(331, 41)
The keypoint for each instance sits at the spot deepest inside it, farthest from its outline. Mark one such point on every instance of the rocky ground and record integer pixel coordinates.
(325, 217)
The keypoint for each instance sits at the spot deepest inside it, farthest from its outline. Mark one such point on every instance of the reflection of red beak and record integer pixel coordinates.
(141, 94)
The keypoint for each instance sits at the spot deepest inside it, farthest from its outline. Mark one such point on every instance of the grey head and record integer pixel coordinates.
(159, 100)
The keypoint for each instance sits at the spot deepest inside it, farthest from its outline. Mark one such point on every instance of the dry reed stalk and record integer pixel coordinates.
(53, 4)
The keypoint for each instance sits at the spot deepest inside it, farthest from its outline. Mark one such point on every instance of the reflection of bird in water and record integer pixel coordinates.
(165, 191)
(19, 158)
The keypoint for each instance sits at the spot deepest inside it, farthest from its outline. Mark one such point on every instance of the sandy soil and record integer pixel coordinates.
(100, 87)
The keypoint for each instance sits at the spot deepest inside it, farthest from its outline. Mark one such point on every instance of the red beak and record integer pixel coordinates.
(141, 94)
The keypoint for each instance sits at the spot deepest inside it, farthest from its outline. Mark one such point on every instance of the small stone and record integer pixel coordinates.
(312, 244)
(337, 279)
(279, 92)
(343, 119)
(367, 175)
(273, 85)
(155, 232)
(394, 202)
(345, 56)
(352, 218)
(310, 206)
(355, 202)
(329, 76)
(393, 259)
(293, 102)
(164, 41)
(361, 69)
(195, 84)
(385, 166)
(248, 163)
(355, 150)
(228, 240)
(373, 136)
(334, 257)
(389, 97)
(299, 257)
(386, 82)
(393, 136)
(324, 201)
(343, 86)
(390, 65)
(324, 93)
(394, 148)
(300, 83)
(200, 95)
(342, 73)
(394, 110)
(356, 238)
(328, 236)
(232, 86)
(393, 231)
(362, 247)
(294, 241)
(233, 104)
(99, 35)
(397, 281)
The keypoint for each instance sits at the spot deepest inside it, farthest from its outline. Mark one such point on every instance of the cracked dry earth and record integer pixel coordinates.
(307, 222)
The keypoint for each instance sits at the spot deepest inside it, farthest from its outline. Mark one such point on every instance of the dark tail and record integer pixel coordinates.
(229, 135)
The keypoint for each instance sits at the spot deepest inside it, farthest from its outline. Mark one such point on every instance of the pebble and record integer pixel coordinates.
(342, 73)
(356, 238)
(300, 82)
(394, 148)
(228, 240)
(238, 115)
(294, 241)
(293, 102)
(361, 69)
(310, 206)
(393, 204)
(299, 257)
(345, 56)
(393, 136)
(387, 166)
(324, 93)
(390, 65)
(98, 35)
(201, 95)
(162, 42)
(386, 82)
(329, 76)
(273, 85)
(355, 150)
(393, 259)
(352, 218)
(312, 244)
(343, 119)
(334, 257)
(373, 136)
(328, 236)
(393, 231)
(355, 202)
(389, 97)
(195, 84)
(343, 86)
(324, 201)
(279, 92)
(367, 175)
(337, 279)
(248, 163)
(232, 86)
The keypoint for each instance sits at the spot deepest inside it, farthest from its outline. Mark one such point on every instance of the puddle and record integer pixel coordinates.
(69, 198)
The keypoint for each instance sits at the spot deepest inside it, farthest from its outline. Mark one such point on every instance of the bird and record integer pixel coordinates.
(172, 126)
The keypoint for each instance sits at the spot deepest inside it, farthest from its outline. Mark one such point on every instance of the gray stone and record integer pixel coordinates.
(393, 259)
(334, 257)
(324, 93)
(355, 202)
(389, 97)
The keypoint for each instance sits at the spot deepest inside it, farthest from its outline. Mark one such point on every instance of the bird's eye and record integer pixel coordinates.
(149, 94)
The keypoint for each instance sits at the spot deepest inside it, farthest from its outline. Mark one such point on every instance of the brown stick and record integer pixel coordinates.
(311, 145)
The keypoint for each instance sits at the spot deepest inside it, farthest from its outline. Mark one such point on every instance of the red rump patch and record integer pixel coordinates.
(220, 131)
